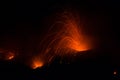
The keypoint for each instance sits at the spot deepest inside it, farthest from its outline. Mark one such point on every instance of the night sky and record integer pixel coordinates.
(26, 23)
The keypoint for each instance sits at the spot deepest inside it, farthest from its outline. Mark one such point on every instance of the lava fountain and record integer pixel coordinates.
(65, 37)
(70, 37)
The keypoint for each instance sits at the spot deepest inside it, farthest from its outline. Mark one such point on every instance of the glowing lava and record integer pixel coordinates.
(72, 37)
(10, 56)
(65, 37)
(6, 54)
(37, 63)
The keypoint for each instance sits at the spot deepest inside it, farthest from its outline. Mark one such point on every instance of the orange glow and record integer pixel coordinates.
(6, 54)
(37, 64)
(65, 37)
(10, 56)
(68, 36)
(79, 47)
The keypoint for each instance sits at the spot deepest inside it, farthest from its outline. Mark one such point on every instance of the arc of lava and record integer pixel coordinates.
(64, 37)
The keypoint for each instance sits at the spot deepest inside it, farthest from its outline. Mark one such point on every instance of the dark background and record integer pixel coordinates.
(23, 25)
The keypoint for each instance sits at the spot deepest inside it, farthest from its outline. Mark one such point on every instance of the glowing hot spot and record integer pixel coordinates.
(78, 47)
(10, 55)
(65, 37)
(37, 64)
